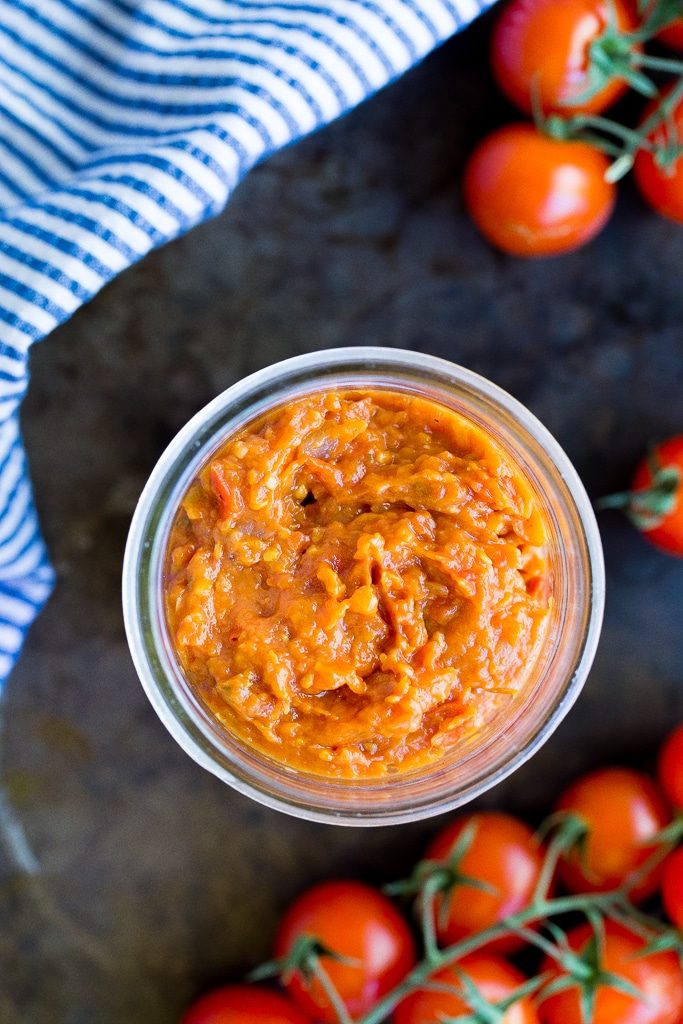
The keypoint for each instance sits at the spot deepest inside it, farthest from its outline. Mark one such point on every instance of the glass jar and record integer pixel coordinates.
(577, 579)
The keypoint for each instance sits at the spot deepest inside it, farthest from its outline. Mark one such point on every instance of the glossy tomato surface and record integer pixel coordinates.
(243, 1004)
(358, 923)
(657, 976)
(623, 810)
(531, 195)
(494, 978)
(544, 45)
(670, 767)
(505, 855)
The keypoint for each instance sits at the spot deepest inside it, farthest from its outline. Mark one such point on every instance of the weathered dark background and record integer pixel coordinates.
(156, 880)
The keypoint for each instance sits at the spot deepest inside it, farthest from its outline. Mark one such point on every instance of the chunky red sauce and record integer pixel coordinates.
(357, 581)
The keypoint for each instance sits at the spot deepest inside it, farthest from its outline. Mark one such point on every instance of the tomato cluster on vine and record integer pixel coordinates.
(545, 188)
(558, 926)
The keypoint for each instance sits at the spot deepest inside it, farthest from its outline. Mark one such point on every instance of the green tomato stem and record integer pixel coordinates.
(665, 64)
(428, 921)
(634, 139)
(330, 991)
(661, 14)
(648, 507)
(663, 109)
(659, 853)
(558, 845)
(445, 957)
(604, 145)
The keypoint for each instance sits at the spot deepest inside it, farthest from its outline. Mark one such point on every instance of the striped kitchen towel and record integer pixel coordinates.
(125, 122)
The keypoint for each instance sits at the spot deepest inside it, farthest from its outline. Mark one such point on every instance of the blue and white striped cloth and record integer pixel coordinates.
(125, 122)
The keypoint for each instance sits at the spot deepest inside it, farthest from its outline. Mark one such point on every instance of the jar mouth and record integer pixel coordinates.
(499, 749)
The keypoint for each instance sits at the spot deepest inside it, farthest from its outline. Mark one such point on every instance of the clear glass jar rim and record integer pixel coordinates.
(147, 519)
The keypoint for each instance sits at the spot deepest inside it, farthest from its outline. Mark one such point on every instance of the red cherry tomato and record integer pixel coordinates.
(672, 887)
(623, 810)
(505, 855)
(656, 975)
(662, 187)
(656, 499)
(243, 1004)
(671, 767)
(358, 923)
(493, 977)
(532, 195)
(544, 45)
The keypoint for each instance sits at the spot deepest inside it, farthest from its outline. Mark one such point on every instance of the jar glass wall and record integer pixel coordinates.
(576, 571)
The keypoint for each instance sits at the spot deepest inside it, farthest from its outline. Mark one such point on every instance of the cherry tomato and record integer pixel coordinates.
(672, 887)
(243, 1004)
(505, 855)
(671, 767)
(655, 502)
(656, 975)
(359, 923)
(623, 810)
(662, 187)
(544, 45)
(532, 195)
(493, 977)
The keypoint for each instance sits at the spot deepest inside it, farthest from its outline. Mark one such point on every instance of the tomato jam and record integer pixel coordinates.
(357, 582)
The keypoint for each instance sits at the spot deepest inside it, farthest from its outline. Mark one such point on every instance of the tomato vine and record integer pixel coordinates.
(537, 924)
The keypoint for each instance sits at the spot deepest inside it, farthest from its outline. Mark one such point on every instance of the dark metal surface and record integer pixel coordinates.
(154, 879)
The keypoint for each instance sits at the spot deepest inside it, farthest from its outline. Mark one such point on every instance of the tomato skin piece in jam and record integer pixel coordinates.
(357, 582)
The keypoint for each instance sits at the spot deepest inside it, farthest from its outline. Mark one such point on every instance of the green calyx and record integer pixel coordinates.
(649, 507)
(441, 877)
(433, 884)
(436, 878)
(611, 56)
(617, 55)
(656, 16)
(585, 971)
(432, 878)
(569, 836)
(303, 959)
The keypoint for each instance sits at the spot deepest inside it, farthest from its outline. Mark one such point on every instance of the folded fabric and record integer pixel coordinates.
(125, 122)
